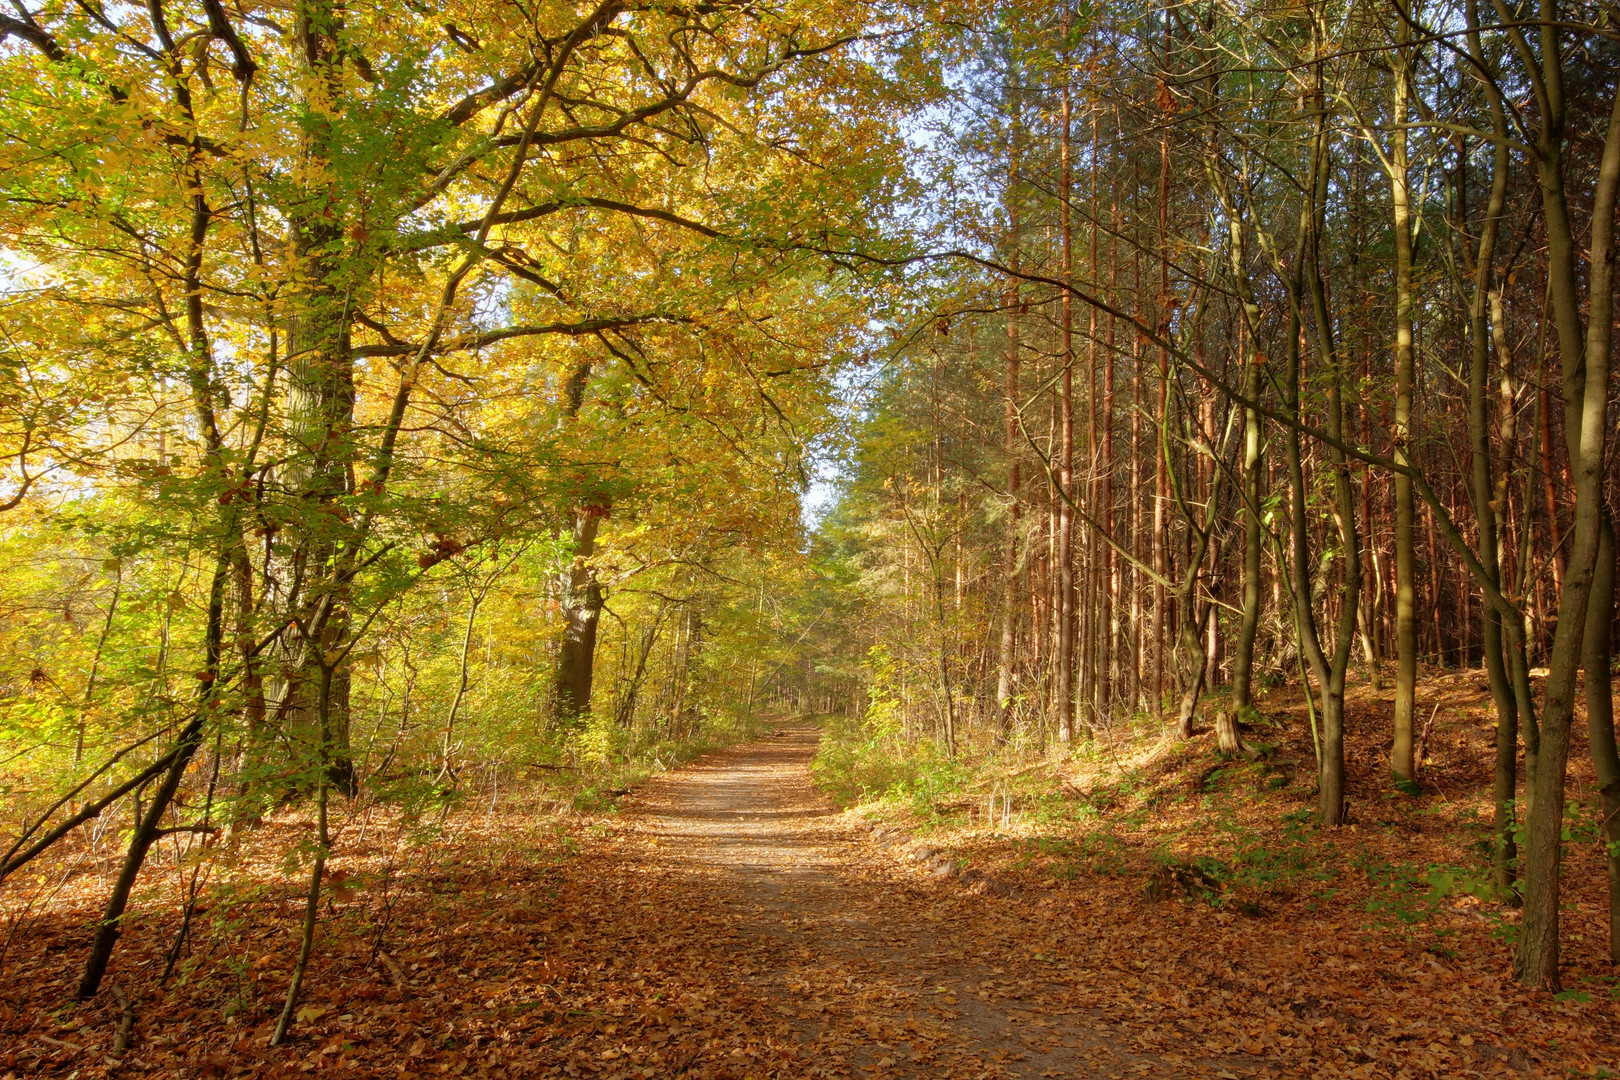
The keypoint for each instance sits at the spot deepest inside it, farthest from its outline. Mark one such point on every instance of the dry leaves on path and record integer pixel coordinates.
(727, 923)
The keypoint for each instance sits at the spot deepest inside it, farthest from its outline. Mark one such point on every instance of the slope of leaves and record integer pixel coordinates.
(517, 938)
(1202, 881)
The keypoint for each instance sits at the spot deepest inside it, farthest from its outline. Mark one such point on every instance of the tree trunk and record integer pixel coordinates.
(312, 902)
(1249, 626)
(1332, 807)
(1108, 646)
(1007, 656)
(320, 409)
(691, 717)
(95, 664)
(149, 828)
(1600, 718)
(626, 715)
(1487, 321)
(1401, 763)
(1330, 674)
(1137, 668)
(1161, 475)
(1190, 658)
(476, 598)
(1584, 359)
(1063, 655)
(580, 597)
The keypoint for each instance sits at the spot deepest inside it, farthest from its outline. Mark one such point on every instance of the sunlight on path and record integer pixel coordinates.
(749, 813)
(874, 963)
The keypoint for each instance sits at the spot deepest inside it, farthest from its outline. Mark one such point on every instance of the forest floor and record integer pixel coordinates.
(1192, 899)
(727, 921)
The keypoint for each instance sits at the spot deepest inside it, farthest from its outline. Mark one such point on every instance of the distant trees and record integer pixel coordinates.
(1322, 352)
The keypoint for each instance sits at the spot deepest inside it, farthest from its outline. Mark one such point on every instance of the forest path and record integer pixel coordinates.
(873, 965)
(728, 924)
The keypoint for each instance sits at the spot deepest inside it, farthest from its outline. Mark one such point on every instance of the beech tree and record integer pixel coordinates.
(388, 395)
(426, 282)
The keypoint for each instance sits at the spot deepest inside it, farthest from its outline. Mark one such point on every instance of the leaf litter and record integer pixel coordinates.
(729, 923)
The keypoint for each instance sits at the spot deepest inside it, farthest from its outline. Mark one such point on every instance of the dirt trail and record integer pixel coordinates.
(728, 924)
(881, 966)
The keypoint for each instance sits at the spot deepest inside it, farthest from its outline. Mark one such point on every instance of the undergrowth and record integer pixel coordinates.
(870, 761)
(1131, 803)
(600, 760)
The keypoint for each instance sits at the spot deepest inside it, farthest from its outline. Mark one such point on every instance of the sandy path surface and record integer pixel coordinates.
(882, 967)
(727, 924)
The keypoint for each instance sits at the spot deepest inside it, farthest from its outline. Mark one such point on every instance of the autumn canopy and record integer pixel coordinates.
(405, 407)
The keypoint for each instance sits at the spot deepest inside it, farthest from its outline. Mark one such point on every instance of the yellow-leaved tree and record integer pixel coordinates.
(352, 297)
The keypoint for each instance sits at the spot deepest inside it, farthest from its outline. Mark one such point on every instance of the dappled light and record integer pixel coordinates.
(808, 538)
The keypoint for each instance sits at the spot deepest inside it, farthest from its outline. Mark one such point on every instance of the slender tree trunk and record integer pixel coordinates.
(312, 901)
(1401, 763)
(1108, 662)
(947, 696)
(149, 827)
(1597, 662)
(95, 665)
(1249, 626)
(1549, 488)
(1063, 656)
(1372, 636)
(1161, 464)
(1138, 698)
(477, 598)
(1437, 583)
(1329, 673)
(1487, 326)
(691, 713)
(1331, 799)
(1007, 657)
(627, 707)
(1584, 358)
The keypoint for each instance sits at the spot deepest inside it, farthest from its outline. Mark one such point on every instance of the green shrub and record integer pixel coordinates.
(868, 760)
